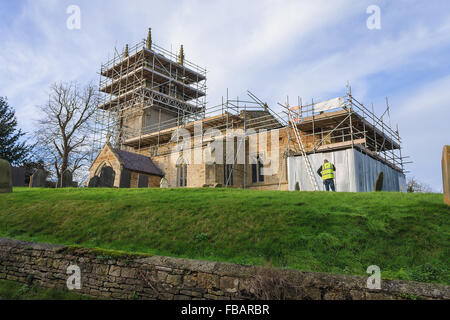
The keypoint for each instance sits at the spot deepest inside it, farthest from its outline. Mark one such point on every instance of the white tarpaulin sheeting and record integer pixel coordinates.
(329, 104)
(355, 172)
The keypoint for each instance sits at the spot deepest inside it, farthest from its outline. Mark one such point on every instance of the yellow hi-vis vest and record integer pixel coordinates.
(327, 171)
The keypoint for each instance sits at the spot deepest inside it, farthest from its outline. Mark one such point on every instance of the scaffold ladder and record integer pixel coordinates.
(303, 152)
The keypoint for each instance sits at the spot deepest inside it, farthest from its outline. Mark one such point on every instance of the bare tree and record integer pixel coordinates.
(65, 128)
(413, 185)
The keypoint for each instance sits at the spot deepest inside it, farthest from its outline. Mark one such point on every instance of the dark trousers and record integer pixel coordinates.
(329, 183)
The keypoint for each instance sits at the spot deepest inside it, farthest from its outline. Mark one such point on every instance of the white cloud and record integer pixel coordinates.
(362, 59)
(234, 39)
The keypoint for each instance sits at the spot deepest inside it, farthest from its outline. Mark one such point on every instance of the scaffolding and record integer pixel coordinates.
(249, 115)
(347, 123)
(143, 85)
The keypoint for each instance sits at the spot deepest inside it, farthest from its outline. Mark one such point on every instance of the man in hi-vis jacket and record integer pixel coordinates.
(326, 171)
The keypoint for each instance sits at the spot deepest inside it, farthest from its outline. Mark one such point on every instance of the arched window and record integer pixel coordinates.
(100, 167)
(181, 173)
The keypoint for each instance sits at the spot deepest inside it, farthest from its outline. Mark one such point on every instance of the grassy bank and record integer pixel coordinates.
(10, 290)
(406, 235)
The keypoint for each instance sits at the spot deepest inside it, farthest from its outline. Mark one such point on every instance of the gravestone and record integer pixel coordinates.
(379, 182)
(94, 182)
(74, 184)
(446, 173)
(66, 179)
(164, 184)
(18, 176)
(107, 176)
(297, 186)
(125, 179)
(37, 180)
(5, 177)
(143, 181)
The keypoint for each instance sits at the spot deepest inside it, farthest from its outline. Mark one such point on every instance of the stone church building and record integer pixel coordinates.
(148, 94)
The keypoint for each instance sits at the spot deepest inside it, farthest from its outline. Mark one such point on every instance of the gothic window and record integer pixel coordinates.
(181, 173)
(257, 171)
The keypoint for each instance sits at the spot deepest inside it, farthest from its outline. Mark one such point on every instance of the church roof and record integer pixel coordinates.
(139, 163)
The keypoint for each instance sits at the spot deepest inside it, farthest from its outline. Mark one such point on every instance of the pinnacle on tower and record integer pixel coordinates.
(149, 39)
(126, 53)
(181, 56)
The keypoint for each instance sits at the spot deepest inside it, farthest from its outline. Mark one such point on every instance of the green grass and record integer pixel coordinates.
(406, 235)
(10, 290)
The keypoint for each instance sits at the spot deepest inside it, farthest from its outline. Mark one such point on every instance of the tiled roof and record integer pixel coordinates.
(136, 162)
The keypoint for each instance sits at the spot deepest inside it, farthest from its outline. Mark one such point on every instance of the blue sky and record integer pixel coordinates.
(274, 48)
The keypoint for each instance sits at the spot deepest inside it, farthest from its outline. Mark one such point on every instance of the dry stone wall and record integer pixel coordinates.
(115, 275)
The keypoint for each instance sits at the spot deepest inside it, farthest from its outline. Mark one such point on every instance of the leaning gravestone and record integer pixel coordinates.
(66, 179)
(107, 176)
(94, 182)
(5, 177)
(379, 182)
(446, 173)
(164, 184)
(37, 180)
